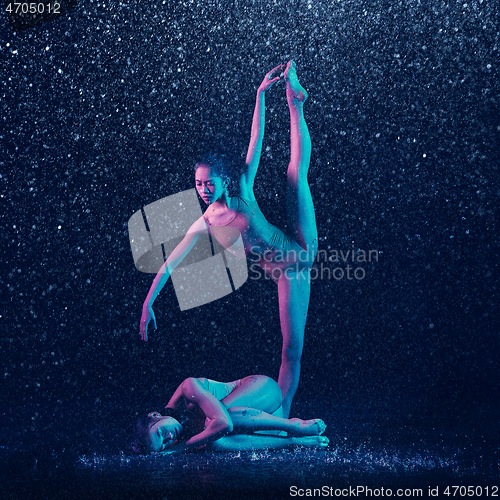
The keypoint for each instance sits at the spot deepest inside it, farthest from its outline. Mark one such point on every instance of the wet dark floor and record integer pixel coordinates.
(379, 453)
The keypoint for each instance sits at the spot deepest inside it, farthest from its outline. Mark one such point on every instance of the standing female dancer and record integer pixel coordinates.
(224, 417)
(286, 257)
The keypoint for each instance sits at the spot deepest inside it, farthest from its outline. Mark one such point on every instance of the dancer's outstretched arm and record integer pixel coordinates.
(174, 259)
(257, 135)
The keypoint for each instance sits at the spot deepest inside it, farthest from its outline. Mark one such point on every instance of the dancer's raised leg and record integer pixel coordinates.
(299, 205)
(294, 288)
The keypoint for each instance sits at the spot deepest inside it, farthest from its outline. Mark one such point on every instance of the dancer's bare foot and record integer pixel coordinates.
(294, 90)
(314, 427)
(311, 441)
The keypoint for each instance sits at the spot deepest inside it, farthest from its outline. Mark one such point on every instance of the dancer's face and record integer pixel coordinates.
(209, 186)
(164, 434)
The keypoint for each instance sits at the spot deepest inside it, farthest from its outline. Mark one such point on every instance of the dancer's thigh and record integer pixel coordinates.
(256, 391)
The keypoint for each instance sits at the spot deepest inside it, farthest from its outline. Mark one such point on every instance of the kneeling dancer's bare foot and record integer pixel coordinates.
(314, 427)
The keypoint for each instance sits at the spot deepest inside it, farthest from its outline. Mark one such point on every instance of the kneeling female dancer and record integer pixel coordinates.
(286, 257)
(225, 417)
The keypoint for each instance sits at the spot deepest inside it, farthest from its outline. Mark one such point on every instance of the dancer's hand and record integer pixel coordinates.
(147, 315)
(270, 79)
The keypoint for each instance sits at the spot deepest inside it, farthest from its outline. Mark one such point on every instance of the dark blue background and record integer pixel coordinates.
(106, 109)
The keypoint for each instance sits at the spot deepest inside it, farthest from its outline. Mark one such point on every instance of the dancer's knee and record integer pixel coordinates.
(266, 392)
(273, 393)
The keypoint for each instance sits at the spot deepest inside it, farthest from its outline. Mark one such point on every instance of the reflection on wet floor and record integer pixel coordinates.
(375, 451)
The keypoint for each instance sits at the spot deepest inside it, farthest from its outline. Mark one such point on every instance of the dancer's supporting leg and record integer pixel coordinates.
(294, 288)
